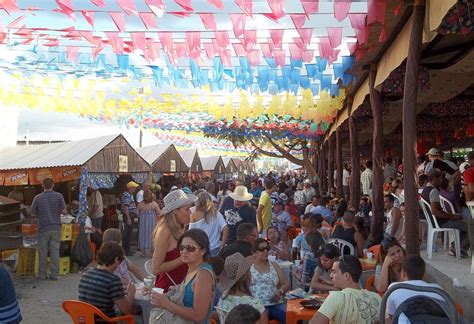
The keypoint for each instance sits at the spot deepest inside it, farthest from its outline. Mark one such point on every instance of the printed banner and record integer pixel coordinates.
(16, 178)
(38, 175)
(67, 173)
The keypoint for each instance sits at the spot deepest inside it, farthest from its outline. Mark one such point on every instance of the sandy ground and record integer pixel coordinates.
(40, 300)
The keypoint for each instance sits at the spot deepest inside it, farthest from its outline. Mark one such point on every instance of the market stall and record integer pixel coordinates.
(240, 168)
(213, 167)
(230, 168)
(193, 162)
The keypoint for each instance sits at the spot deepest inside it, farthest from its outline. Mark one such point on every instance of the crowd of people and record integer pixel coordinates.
(222, 247)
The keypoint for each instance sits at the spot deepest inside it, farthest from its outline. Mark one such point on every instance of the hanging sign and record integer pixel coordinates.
(2, 178)
(69, 173)
(172, 166)
(16, 178)
(37, 176)
(123, 163)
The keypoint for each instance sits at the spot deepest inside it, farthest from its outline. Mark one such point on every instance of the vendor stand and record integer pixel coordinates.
(230, 168)
(193, 162)
(213, 167)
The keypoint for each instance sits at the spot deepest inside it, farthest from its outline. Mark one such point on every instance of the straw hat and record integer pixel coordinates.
(132, 184)
(241, 194)
(236, 266)
(176, 199)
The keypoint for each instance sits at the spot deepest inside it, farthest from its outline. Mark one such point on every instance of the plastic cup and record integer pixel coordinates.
(370, 255)
(271, 258)
(297, 262)
(158, 290)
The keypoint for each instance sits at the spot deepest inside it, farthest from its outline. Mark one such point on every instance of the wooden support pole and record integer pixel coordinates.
(320, 168)
(377, 159)
(355, 160)
(330, 163)
(325, 167)
(409, 129)
(339, 164)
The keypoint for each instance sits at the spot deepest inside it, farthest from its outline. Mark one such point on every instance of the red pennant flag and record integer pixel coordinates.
(277, 36)
(24, 32)
(185, 4)
(239, 49)
(277, 7)
(148, 19)
(352, 47)
(308, 55)
(298, 20)
(98, 3)
(376, 11)
(360, 27)
(181, 50)
(128, 6)
(208, 20)
(295, 52)
(180, 14)
(209, 48)
(225, 56)
(310, 7)
(89, 16)
(335, 36)
(216, 3)
(66, 8)
(193, 40)
(397, 10)
(238, 24)
(119, 21)
(341, 9)
(253, 57)
(246, 6)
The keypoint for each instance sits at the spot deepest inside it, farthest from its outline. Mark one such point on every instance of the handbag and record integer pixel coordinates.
(81, 251)
(175, 294)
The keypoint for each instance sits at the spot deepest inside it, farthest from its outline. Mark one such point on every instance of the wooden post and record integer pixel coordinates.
(320, 169)
(409, 129)
(377, 159)
(339, 164)
(355, 159)
(325, 167)
(330, 163)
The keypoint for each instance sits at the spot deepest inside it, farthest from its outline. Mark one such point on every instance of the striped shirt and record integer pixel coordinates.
(101, 289)
(47, 207)
(129, 201)
(9, 309)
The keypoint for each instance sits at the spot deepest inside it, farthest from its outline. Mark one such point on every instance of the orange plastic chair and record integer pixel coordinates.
(213, 321)
(273, 322)
(81, 312)
(370, 282)
(375, 249)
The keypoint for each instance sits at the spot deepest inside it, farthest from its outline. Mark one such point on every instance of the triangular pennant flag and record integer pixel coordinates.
(310, 7)
(157, 6)
(238, 24)
(295, 52)
(193, 39)
(149, 20)
(376, 11)
(166, 39)
(181, 50)
(10, 6)
(128, 6)
(208, 20)
(360, 27)
(298, 20)
(383, 35)
(24, 32)
(185, 4)
(305, 35)
(335, 36)
(222, 38)
(88, 36)
(66, 8)
(139, 40)
(253, 57)
(98, 3)
(250, 38)
(115, 42)
(279, 58)
(341, 9)
(216, 3)
(308, 55)
(180, 14)
(225, 56)
(119, 21)
(266, 51)
(277, 7)
(209, 48)
(277, 36)
(246, 6)
(239, 49)
(71, 53)
(89, 16)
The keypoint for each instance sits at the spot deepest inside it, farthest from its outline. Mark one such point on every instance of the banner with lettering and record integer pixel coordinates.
(38, 175)
(16, 178)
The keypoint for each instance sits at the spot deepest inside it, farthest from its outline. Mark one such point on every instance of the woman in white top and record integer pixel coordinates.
(207, 218)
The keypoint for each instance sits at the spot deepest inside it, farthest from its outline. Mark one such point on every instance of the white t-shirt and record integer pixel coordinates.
(345, 177)
(213, 229)
(399, 296)
(139, 197)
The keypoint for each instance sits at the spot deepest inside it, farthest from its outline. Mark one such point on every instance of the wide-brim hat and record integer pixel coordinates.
(176, 199)
(434, 151)
(235, 267)
(307, 181)
(241, 194)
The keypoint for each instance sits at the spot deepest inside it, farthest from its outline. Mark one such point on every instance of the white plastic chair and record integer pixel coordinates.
(222, 314)
(434, 228)
(470, 205)
(342, 245)
(147, 266)
(447, 207)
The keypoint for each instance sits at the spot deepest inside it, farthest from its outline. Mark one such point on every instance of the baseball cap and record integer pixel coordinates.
(434, 151)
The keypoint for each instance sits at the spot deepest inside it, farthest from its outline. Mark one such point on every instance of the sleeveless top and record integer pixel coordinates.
(264, 285)
(177, 274)
(346, 234)
(188, 298)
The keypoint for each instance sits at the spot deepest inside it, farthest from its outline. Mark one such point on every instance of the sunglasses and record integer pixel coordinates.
(264, 249)
(189, 248)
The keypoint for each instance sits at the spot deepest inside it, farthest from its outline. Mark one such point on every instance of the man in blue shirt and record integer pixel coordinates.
(323, 210)
(129, 210)
(9, 308)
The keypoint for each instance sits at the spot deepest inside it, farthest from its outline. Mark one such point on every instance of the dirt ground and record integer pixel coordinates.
(40, 300)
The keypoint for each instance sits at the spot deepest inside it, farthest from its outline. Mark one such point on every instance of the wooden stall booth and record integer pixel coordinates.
(213, 167)
(193, 162)
(230, 168)
(240, 168)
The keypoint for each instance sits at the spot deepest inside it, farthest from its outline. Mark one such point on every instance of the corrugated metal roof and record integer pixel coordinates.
(209, 163)
(74, 153)
(188, 156)
(153, 153)
(226, 160)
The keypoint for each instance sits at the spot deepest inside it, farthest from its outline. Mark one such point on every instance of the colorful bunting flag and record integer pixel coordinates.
(128, 6)
(89, 16)
(119, 21)
(310, 7)
(341, 9)
(149, 20)
(208, 20)
(335, 36)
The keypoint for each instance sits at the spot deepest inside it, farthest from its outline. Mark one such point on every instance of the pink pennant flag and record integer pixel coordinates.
(383, 35)
(97, 49)
(119, 21)
(246, 6)
(325, 49)
(193, 40)
(250, 38)
(358, 22)
(216, 3)
(239, 49)
(181, 50)
(3, 36)
(128, 6)
(298, 20)
(335, 36)
(308, 55)
(24, 32)
(115, 42)
(305, 35)
(196, 54)
(157, 6)
(185, 4)
(88, 36)
(66, 8)
(180, 14)
(71, 53)
(295, 52)
(310, 7)
(352, 47)
(89, 16)
(376, 11)
(222, 38)
(266, 51)
(139, 40)
(271, 16)
(166, 39)
(225, 56)
(277, 7)
(98, 3)
(208, 20)
(279, 58)
(15, 23)
(341, 9)
(10, 6)
(253, 57)
(209, 49)
(149, 20)
(299, 42)
(277, 36)
(238, 24)
(53, 42)
(153, 50)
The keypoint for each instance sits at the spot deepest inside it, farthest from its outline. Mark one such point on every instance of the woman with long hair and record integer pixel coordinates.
(167, 264)
(207, 218)
(278, 247)
(389, 263)
(199, 281)
(321, 281)
(148, 212)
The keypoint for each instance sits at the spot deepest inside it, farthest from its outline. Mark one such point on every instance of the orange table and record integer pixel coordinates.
(295, 312)
(368, 264)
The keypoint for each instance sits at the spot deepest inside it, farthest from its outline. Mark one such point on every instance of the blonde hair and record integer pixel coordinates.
(171, 220)
(205, 205)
